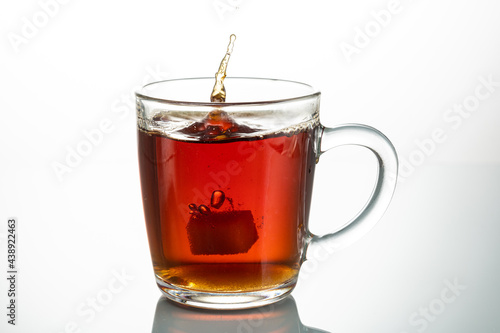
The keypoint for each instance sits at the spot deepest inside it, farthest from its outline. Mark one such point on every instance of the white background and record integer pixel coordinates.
(68, 67)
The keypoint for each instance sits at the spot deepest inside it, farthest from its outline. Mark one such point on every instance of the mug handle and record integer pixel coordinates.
(375, 141)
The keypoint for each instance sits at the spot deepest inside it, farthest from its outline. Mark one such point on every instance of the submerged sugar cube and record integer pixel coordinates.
(223, 233)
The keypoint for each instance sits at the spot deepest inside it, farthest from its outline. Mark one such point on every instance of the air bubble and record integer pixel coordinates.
(217, 199)
(192, 208)
(204, 209)
(214, 130)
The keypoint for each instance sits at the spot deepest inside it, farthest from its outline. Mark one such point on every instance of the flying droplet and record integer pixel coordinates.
(219, 91)
(217, 199)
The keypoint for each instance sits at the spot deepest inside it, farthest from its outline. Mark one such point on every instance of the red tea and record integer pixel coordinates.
(226, 208)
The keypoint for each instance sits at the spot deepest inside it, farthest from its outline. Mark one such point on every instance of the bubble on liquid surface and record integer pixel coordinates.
(217, 199)
(213, 131)
(204, 209)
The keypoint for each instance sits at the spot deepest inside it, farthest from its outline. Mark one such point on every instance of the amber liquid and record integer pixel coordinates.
(226, 213)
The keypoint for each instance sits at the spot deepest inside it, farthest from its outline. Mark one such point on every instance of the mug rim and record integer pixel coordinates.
(143, 95)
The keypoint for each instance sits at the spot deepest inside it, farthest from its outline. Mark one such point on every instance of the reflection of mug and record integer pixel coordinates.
(280, 317)
(226, 187)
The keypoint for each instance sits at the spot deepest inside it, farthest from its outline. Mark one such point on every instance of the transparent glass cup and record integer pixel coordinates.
(227, 187)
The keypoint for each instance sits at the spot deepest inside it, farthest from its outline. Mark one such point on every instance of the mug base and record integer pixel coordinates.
(222, 300)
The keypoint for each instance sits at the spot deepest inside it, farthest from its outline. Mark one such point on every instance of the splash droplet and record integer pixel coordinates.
(217, 199)
(219, 91)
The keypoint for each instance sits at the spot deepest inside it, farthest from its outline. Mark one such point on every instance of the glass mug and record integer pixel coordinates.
(226, 187)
